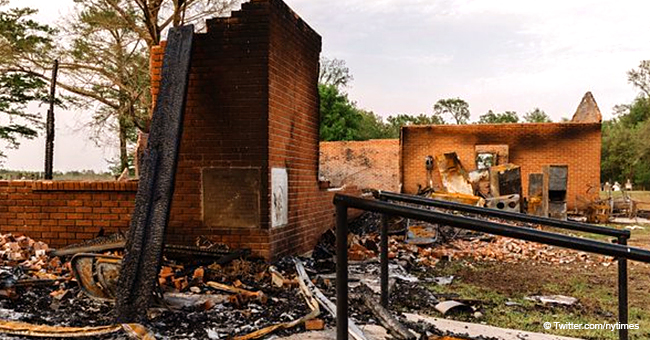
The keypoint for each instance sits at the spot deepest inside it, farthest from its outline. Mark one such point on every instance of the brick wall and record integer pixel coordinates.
(372, 164)
(61, 213)
(225, 123)
(294, 128)
(530, 146)
(252, 104)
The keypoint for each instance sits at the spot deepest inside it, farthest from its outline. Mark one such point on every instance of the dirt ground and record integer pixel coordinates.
(499, 290)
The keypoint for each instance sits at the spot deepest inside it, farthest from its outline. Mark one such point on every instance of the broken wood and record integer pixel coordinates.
(246, 294)
(144, 244)
(386, 319)
(329, 306)
(311, 302)
(137, 331)
(45, 331)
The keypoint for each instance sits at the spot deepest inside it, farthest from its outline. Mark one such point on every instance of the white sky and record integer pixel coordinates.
(407, 54)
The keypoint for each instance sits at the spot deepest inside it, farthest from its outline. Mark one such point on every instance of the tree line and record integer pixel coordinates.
(626, 137)
(103, 51)
(342, 119)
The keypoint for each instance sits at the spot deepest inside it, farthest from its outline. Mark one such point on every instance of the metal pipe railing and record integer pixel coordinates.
(621, 235)
(569, 225)
(343, 202)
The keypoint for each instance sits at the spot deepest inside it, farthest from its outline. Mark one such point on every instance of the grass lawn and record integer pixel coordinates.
(495, 283)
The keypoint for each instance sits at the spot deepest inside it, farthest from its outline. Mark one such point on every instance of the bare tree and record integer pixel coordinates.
(640, 77)
(149, 18)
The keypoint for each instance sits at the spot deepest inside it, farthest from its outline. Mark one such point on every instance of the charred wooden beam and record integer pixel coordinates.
(386, 319)
(146, 235)
(49, 124)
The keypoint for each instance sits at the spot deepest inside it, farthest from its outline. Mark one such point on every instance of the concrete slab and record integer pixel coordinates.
(475, 330)
(372, 332)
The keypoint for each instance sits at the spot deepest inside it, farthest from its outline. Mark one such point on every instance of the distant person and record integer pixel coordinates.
(628, 185)
(607, 187)
(616, 186)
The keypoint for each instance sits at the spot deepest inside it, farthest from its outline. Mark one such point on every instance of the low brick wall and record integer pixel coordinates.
(62, 213)
(372, 164)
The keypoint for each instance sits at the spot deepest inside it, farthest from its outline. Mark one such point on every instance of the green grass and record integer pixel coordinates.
(598, 300)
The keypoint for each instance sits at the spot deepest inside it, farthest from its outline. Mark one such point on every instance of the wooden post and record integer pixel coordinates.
(49, 125)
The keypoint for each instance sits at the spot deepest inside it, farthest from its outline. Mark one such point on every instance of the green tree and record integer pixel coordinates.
(372, 126)
(20, 35)
(340, 119)
(457, 108)
(625, 150)
(104, 54)
(108, 61)
(498, 118)
(537, 116)
(395, 123)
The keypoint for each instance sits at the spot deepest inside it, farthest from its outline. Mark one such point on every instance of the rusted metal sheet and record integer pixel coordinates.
(535, 194)
(555, 191)
(505, 180)
(97, 275)
(458, 198)
(453, 175)
(421, 234)
(32, 330)
(153, 200)
(118, 241)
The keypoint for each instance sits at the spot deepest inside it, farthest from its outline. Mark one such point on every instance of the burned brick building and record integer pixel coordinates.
(531, 146)
(247, 172)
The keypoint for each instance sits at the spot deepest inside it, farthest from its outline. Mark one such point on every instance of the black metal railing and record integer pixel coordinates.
(342, 202)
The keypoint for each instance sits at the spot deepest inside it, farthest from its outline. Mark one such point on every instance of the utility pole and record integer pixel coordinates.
(49, 125)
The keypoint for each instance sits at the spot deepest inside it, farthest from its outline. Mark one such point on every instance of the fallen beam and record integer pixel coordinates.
(146, 235)
(386, 319)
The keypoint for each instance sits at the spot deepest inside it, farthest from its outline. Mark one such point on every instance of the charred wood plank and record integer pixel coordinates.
(386, 319)
(146, 235)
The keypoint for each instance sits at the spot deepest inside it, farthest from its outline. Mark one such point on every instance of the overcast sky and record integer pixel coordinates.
(406, 54)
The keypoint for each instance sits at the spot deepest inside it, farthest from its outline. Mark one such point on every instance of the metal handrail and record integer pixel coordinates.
(569, 225)
(343, 202)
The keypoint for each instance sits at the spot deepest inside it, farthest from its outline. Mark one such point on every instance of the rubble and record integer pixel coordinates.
(503, 249)
(249, 299)
(384, 316)
(330, 307)
(554, 299)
